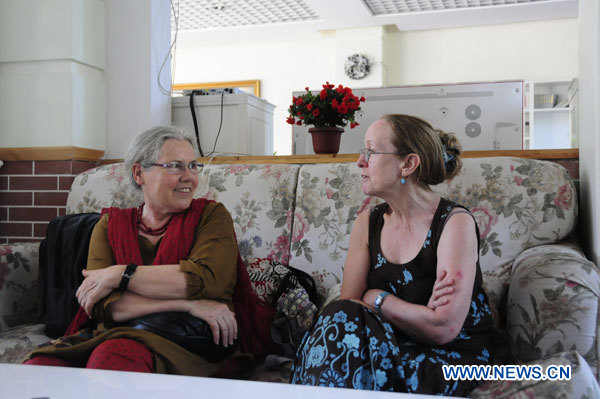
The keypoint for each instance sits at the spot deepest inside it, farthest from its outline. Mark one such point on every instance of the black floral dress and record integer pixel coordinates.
(351, 346)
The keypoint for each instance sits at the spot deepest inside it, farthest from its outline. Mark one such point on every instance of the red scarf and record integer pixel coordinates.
(254, 317)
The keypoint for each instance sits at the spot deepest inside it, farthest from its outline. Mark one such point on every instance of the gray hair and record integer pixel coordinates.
(145, 147)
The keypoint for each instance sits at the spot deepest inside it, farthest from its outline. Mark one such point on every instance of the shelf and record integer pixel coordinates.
(551, 109)
(552, 127)
(527, 111)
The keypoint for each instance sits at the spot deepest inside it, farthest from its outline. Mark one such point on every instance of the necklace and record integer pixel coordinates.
(147, 230)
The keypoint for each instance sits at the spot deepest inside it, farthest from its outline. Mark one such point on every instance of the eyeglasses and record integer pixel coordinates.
(177, 167)
(365, 152)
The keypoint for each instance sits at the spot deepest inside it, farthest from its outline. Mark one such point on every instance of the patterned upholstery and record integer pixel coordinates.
(535, 273)
(18, 284)
(328, 199)
(260, 199)
(518, 203)
(580, 386)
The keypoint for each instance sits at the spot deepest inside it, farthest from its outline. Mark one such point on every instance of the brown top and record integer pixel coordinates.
(210, 270)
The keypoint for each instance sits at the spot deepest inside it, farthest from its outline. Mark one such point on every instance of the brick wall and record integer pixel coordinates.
(31, 194)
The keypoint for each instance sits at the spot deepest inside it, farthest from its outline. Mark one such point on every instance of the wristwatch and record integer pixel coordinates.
(379, 301)
(126, 276)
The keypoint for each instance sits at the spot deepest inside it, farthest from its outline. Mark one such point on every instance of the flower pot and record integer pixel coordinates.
(326, 140)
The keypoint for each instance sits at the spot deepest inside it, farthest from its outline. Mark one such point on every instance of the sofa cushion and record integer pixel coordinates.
(17, 342)
(328, 198)
(102, 187)
(259, 197)
(518, 204)
(18, 284)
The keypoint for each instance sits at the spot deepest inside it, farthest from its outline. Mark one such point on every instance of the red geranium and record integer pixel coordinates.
(330, 107)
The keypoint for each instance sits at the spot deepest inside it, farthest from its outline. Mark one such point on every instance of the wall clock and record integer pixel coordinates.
(357, 66)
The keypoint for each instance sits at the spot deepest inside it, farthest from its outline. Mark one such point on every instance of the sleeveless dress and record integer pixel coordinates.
(351, 346)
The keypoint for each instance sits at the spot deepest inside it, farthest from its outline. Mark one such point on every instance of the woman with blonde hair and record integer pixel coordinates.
(412, 298)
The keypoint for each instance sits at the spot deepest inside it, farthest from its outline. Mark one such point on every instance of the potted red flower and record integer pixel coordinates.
(328, 111)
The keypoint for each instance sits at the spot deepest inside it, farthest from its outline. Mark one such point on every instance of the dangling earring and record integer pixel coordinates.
(403, 181)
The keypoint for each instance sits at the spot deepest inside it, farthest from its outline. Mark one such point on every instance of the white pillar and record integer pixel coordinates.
(589, 126)
(51, 73)
(138, 37)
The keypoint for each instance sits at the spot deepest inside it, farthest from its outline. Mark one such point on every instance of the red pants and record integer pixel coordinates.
(114, 354)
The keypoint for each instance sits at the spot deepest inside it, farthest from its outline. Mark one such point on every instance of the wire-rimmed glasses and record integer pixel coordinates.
(366, 152)
(177, 167)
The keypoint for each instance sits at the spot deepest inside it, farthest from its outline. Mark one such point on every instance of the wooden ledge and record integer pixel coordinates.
(563, 153)
(86, 154)
(569, 153)
(50, 154)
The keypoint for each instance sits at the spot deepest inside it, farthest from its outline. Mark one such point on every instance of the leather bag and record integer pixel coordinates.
(187, 331)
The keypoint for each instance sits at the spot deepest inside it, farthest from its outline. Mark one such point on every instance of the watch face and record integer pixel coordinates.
(378, 300)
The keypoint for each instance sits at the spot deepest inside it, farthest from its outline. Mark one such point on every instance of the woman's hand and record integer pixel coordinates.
(97, 284)
(218, 316)
(442, 289)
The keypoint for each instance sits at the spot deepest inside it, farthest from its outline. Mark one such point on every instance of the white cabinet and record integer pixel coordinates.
(550, 115)
(240, 124)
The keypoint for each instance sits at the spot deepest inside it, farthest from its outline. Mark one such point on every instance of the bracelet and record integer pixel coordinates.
(379, 301)
(126, 276)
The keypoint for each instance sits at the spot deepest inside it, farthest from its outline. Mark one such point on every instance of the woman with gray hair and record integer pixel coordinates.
(171, 254)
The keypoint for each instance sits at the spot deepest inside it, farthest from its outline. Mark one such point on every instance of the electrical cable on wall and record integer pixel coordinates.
(193, 111)
(220, 124)
(171, 51)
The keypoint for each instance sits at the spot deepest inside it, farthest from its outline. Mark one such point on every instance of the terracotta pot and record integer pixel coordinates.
(326, 140)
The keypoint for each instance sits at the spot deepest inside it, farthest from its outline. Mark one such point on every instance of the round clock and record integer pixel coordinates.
(357, 66)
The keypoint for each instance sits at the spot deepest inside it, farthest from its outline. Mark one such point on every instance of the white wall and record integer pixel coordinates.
(281, 67)
(589, 126)
(546, 50)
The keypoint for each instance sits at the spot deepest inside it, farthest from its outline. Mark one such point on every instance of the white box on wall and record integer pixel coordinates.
(246, 122)
(484, 116)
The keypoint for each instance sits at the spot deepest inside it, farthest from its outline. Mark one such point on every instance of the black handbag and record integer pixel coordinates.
(185, 330)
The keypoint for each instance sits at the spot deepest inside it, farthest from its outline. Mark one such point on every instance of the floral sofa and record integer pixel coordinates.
(544, 291)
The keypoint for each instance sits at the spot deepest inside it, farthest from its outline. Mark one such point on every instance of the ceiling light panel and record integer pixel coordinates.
(385, 7)
(207, 14)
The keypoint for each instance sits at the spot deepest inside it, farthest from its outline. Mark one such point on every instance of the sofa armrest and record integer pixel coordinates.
(552, 304)
(19, 265)
(581, 384)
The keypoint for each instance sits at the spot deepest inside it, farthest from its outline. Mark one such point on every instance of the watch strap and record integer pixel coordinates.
(127, 275)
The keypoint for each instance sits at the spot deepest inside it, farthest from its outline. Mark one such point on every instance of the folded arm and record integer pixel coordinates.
(441, 319)
(457, 259)
(208, 273)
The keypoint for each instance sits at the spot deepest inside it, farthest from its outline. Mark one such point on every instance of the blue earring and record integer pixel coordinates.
(403, 181)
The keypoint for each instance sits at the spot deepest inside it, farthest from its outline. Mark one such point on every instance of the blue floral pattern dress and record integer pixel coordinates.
(353, 347)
